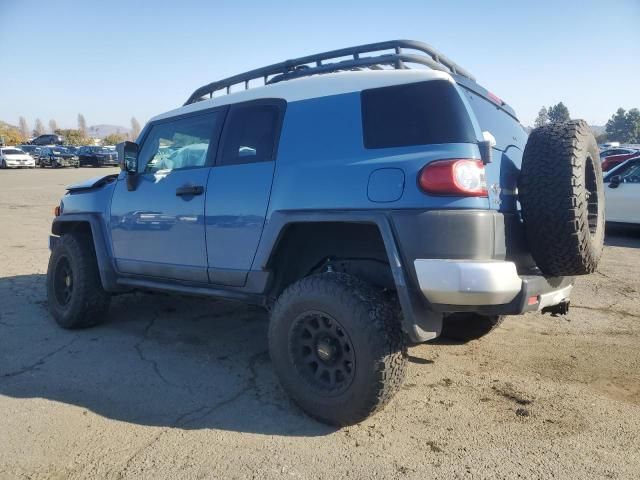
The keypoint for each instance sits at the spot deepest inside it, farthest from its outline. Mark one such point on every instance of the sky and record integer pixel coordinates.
(114, 59)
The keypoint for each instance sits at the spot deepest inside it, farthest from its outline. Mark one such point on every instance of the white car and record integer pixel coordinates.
(12, 157)
(622, 193)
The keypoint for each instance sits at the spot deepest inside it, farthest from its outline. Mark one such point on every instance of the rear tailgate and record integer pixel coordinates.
(500, 121)
(497, 118)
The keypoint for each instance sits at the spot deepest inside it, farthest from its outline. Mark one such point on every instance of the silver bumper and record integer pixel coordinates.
(476, 282)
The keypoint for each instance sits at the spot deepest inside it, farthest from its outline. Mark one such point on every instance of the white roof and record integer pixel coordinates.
(315, 86)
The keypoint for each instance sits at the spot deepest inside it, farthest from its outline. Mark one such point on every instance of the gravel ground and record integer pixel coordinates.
(173, 387)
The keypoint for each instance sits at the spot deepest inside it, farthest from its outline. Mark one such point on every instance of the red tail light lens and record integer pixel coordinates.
(459, 177)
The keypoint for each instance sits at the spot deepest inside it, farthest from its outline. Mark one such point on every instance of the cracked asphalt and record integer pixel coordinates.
(175, 387)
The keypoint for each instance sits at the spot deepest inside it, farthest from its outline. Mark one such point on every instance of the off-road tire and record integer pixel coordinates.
(464, 327)
(562, 198)
(372, 325)
(89, 302)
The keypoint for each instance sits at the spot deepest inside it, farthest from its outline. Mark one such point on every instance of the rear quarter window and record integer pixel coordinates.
(415, 114)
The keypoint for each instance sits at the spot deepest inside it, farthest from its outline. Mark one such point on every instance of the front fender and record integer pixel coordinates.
(67, 223)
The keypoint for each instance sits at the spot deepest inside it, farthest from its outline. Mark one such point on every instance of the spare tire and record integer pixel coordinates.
(562, 198)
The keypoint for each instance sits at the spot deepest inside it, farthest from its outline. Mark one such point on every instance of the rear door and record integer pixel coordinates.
(239, 187)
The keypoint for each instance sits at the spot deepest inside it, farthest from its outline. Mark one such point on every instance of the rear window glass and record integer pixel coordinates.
(414, 114)
(505, 129)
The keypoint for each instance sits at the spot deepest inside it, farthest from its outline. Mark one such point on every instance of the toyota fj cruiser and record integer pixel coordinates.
(364, 203)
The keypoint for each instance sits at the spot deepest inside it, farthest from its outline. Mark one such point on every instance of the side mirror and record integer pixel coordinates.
(614, 182)
(128, 156)
(128, 160)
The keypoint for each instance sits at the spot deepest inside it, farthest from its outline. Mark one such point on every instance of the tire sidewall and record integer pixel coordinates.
(66, 315)
(595, 242)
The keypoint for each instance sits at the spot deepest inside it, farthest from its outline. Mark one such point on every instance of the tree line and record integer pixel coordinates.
(623, 126)
(73, 136)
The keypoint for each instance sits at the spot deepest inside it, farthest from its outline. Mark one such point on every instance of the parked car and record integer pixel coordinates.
(364, 209)
(32, 150)
(57, 157)
(72, 149)
(97, 156)
(623, 192)
(12, 157)
(615, 156)
(47, 139)
(608, 145)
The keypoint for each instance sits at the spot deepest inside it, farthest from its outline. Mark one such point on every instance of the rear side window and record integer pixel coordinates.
(251, 133)
(415, 114)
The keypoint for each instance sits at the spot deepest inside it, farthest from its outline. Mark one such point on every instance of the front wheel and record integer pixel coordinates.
(75, 295)
(337, 347)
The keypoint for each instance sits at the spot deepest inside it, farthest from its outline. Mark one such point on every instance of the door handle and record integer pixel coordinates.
(189, 190)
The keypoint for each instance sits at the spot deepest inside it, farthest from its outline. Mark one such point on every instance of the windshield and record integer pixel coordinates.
(59, 151)
(12, 151)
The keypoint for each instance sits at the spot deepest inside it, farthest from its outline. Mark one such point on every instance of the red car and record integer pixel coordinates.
(615, 156)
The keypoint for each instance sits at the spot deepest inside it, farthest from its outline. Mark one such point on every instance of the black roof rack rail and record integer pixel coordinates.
(313, 64)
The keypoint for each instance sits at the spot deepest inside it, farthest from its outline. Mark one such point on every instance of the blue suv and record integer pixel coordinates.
(365, 204)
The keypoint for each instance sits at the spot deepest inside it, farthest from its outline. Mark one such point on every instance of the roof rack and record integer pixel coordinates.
(315, 64)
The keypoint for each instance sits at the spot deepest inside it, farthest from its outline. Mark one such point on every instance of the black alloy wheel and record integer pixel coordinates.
(322, 352)
(63, 281)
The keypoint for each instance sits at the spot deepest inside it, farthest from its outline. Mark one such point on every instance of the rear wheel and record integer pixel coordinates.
(337, 347)
(75, 295)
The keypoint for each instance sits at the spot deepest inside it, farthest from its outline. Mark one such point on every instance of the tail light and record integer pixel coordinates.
(459, 177)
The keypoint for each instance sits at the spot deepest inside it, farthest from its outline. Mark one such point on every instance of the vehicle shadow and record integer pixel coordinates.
(617, 235)
(160, 360)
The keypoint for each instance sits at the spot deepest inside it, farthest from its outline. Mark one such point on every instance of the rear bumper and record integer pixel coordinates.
(492, 287)
(464, 260)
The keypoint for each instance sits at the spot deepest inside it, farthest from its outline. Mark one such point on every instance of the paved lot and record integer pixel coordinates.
(183, 388)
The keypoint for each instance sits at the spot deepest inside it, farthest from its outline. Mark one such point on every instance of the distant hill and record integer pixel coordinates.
(101, 131)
